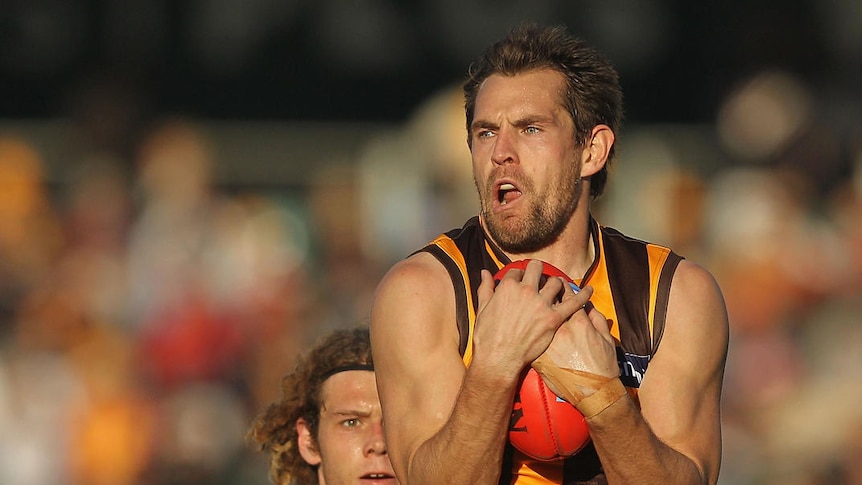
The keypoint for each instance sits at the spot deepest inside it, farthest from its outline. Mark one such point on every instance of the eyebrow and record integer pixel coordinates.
(483, 125)
(350, 412)
(519, 123)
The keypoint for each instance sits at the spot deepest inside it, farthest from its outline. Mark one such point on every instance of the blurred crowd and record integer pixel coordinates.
(147, 315)
(148, 309)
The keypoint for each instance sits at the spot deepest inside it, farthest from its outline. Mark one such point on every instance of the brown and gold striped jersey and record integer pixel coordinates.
(631, 280)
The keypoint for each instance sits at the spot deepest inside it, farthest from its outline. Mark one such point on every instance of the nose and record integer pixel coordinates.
(376, 444)
(504, 147)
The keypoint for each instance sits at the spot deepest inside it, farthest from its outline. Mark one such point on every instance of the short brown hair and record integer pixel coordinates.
(593, 95)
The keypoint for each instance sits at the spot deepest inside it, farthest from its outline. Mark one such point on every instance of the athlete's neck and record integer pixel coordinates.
(573, 252)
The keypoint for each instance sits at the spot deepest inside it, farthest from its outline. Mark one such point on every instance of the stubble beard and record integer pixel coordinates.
(545, 218)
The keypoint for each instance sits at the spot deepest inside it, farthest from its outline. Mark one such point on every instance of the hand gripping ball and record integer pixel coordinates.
(544, 426)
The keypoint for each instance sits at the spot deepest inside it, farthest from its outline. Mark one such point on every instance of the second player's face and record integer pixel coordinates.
(526, 163)
(350, 433)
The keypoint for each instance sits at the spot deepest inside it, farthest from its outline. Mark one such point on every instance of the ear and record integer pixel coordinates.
(596, 150)
(306, 443)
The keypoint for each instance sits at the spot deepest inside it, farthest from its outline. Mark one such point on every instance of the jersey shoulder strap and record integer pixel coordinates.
(639, 276)
(464, 252)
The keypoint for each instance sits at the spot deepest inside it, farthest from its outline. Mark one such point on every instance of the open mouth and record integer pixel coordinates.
(507, 193)
(377, 476)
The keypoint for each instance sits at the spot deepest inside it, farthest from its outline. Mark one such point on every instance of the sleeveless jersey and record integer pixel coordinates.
(631, 281)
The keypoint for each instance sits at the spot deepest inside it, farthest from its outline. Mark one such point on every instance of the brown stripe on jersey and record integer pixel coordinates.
(662, 297)
(628, 276)
(507, 473)
(461, 312)
(472, 245)
(584, 468)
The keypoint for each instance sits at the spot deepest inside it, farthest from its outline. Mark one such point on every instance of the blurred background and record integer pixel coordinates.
(193, 191)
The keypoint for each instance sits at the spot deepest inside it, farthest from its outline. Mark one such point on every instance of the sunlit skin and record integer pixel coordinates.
(524, 153)
(447, 422)
(526, 161)
(350, 447)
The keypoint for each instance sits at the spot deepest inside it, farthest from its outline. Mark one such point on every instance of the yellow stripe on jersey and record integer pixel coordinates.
(493, 256)
(657, 257)
(533, 472)
(603, 299)
(448, 246)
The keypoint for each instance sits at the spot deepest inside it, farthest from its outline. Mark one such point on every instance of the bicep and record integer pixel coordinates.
(680, 394)
(416, 359)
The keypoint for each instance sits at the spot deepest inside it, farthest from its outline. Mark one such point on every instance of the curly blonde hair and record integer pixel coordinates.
(274, 429)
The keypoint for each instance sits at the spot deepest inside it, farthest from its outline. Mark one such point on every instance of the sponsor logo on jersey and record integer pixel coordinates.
(632, 367)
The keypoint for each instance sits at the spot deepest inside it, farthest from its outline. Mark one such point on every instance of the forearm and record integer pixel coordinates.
(631, 453)
(469, 447)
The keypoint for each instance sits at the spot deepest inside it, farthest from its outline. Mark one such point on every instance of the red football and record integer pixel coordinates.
(544, 426)
(547, 270)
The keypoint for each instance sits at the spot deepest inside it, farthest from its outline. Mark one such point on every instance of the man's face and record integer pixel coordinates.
(526, 163)
(351, 447)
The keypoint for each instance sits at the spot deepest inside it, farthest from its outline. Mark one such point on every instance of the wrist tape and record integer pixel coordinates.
(608, 390)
